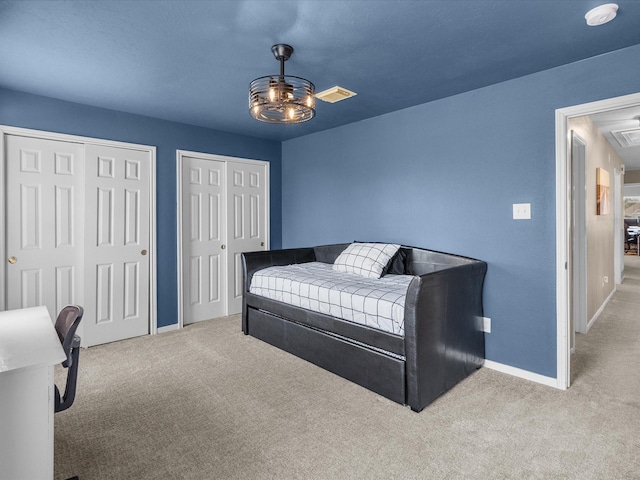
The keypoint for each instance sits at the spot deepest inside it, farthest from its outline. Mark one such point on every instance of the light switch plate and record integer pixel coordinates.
(486, 324)
(521, 211)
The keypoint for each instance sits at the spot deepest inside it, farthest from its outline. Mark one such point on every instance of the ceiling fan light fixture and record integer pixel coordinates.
(282, 98)
(601, 14)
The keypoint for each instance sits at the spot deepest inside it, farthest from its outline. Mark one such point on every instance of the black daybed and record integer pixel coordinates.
(442, 341)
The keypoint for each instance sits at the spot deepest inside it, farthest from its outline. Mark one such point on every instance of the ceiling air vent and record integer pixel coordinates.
(335, 94)
(627, 138)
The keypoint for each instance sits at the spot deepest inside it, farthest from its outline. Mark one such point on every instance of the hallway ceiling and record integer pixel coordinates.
(622, 125)
(192, 61)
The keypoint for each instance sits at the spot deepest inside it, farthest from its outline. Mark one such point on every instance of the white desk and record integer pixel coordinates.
(29, 350)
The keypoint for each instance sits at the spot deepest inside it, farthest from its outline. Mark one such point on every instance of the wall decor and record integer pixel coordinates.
(603, 197)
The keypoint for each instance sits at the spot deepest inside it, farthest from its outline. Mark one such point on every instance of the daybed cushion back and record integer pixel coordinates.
(268, 258)
(416, 260)
(427, 261)
(329, 253)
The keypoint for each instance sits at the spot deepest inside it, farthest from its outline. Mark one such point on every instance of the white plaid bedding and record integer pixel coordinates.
(375, 302)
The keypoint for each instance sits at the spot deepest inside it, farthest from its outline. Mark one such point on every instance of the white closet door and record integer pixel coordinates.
(204, 254)
(116, 244)
(247, 222)
(223, 204)
(44, 223)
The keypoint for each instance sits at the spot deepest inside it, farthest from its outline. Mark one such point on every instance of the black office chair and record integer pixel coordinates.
(66, 325)
(631, 243)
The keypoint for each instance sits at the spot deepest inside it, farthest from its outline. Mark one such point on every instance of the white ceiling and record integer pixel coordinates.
(616, 120)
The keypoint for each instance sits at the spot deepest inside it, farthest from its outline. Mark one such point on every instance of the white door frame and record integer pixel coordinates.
(579, 222)
(563, 185)
(180, 154)
(8, 130)
(618, 222)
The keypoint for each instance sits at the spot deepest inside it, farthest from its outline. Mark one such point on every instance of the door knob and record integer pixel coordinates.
(143, 252)
(223, 247)
(12, 260)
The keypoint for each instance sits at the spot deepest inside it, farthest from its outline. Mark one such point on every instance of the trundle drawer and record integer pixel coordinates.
(376, 371)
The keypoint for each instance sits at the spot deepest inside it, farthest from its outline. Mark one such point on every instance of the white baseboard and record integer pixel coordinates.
(168, 328)
(518, 372)
(601, 309)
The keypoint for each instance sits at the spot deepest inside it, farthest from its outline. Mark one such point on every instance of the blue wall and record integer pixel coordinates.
(42, 113)
(441, 175)
(444, 176)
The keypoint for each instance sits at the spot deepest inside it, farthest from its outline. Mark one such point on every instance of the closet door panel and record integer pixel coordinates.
(116, 244)
(203, 233)
(247, 225)
(44, 222)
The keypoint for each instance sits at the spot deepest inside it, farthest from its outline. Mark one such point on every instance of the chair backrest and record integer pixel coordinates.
(66, 326)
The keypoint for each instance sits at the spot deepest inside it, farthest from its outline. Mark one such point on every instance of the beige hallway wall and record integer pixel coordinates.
(600, 228)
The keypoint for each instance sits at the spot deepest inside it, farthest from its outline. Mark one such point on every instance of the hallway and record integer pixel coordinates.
(606, 358)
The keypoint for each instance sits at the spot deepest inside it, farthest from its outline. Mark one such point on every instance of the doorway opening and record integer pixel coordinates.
(565, 253)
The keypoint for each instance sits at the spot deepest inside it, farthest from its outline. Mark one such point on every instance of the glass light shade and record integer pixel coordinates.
(282, 99)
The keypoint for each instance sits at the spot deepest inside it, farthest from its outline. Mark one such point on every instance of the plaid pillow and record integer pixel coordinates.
(366, 259)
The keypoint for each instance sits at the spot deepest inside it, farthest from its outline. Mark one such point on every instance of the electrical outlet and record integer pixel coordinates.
(486, 324)
(605, 279)
(521, 211)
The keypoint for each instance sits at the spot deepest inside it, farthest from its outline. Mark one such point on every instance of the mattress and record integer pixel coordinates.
(377, 303)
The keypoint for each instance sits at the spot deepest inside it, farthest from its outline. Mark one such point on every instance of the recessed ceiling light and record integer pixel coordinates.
(601, 15)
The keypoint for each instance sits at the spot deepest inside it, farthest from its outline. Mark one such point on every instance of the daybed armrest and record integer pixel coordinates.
(444, 340)
(254, 261)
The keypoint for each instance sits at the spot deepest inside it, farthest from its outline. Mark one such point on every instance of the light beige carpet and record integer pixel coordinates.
(207, 402)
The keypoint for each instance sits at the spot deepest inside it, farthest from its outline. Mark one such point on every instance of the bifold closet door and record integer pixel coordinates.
(116, 246)
(44, 222)
(77, 228)
(247, 224)
(204, 254)
(224, 213)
